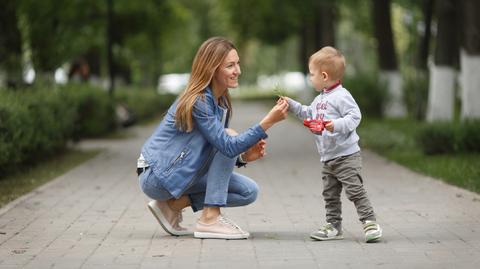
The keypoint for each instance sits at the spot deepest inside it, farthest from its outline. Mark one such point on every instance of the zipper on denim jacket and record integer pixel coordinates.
(179, 158)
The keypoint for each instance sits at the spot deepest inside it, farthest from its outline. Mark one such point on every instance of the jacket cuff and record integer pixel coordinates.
(239, 163)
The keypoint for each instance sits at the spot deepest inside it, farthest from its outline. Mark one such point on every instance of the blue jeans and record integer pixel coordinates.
(218, 186)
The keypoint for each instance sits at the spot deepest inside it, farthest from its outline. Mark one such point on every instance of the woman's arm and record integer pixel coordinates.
(214, 132)
(212, 128)
(278, 113)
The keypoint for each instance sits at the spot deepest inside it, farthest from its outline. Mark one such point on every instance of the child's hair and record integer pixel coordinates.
(329, 60)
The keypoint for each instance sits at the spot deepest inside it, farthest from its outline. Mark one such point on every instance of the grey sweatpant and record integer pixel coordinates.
(345, 172)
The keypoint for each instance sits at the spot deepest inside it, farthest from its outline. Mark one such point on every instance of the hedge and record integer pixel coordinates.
(38, 122)
(448, 138)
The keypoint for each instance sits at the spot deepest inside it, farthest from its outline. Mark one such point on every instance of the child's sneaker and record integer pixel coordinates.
(328, 232)
(372, 230)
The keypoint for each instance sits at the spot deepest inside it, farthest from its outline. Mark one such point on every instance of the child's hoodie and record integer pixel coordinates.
(338, 106)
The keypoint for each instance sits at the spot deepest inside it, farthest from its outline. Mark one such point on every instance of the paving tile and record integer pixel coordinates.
(95, 215)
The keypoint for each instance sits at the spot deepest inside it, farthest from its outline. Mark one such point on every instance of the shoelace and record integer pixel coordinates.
(370, 226)
(326, 228)
(229, 222)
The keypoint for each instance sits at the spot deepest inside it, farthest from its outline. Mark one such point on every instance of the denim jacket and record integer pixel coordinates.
(176, 157)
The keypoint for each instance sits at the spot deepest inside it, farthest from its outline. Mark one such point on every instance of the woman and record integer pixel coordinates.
(189, 159)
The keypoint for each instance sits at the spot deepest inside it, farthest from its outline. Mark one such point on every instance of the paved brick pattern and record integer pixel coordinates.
(95, 216)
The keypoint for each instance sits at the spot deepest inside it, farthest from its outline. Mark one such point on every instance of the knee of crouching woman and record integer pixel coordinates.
(251, 194)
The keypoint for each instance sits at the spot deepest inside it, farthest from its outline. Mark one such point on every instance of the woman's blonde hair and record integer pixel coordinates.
(209, 57)
(329, 60)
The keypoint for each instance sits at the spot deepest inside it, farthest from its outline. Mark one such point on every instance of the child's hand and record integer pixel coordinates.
(315, 131)
(328, 124)
(281, 97)
(315, 126)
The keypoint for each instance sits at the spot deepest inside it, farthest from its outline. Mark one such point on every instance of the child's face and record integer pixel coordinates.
(318, 78)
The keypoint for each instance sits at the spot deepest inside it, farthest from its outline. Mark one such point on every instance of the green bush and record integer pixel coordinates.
(368, 93)
(37, 122)
(469, 136)
(144, 103)
(438, 138)
(415, 89)
(448, 138)
(32, 124)
(95, 111)
(397, 140)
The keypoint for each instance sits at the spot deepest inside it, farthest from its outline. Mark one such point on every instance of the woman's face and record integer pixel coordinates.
(226, 75)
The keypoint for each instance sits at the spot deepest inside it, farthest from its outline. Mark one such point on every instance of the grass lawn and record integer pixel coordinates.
(31, 177)
(395, 140)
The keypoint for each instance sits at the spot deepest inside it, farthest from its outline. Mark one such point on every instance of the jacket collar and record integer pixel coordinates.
(331, 88)
(209, 92)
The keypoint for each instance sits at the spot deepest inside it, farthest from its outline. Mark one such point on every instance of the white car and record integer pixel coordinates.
(172, 83)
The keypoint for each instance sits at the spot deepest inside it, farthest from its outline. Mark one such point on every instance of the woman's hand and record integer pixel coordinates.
(281, 97)
(278, 113)
(256, 152)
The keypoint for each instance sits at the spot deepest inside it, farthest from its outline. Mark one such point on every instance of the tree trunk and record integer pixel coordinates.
(324, 20)
(10, 46)
(441, 93)
(3, 78)
(470, 60)
(45, 78)
(111, 66)
(387, 61)
(424, 44)
(423, 51)
(305, 44)
(442, 74)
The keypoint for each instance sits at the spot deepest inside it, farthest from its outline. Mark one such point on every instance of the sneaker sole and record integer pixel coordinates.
(326, 239)
(206, 235)
(165, 225)
(374, 238)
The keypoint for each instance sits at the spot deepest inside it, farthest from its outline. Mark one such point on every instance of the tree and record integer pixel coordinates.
(271, 22)
(443, 73)
(316, 28)
(59, 31)
(387, 59)
(470, 60)
(423, 50)
(109, 41)
(146, 36)
(10, 44)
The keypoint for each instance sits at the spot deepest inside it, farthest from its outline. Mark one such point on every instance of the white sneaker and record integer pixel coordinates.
(328, 232)
(372, 230)
(222, 228)
(169, 219)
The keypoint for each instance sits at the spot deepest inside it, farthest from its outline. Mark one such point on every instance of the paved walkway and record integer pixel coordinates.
(95, 216)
